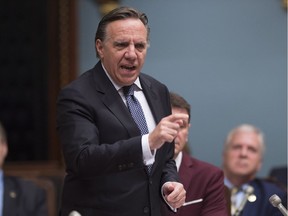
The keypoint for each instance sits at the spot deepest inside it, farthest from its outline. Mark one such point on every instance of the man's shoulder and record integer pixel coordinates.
(148, 78)
(83, 77)
(268, 187)
(87, 82)
(19, 183)
(201, 164)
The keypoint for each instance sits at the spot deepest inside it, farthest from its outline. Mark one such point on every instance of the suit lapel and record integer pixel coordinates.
(113, 101)
(186, 176)
(255, 208)
(11, 197)
(158, 107)
(152, 98)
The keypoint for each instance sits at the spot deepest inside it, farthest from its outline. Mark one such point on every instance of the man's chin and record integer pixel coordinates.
(242, 173)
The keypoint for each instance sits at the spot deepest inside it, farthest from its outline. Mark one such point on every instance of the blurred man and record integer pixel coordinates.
(279, 175)
(203, 182)
(242, 159)
(18, 197)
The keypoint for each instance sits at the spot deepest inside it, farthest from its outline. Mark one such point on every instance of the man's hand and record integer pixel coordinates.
(174, 194)
(167, 130)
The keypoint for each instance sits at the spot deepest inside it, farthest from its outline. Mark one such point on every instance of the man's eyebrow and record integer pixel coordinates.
(120, 42)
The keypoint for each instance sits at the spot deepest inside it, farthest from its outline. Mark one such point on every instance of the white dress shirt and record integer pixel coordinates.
(148, 155)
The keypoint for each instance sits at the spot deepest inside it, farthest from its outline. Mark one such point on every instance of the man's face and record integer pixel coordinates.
(243, 157)
(182, 136)
(124, 50)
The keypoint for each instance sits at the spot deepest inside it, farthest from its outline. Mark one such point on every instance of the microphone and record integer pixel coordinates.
(74, 213)
(276, 202)
(248, 191)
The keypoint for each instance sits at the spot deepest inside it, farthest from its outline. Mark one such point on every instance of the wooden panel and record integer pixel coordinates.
(37, 57)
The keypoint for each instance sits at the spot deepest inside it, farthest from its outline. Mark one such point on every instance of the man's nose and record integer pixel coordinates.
(243, 152)
(130, 52)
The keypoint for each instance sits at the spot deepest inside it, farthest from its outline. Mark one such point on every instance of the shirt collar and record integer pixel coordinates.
(230, 185)
(118, 87)
(178, 160)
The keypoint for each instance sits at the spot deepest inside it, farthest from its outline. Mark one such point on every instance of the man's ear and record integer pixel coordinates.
(99, 47)
(3, 151)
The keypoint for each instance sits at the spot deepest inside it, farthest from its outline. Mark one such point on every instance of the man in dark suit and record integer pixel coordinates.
(203, 182)
(23, 197)
(242, 159)
(19, 196)
(263, 190)
(113, 168)
(279, 174)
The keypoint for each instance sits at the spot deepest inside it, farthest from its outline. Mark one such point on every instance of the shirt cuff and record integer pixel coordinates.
(173, 209)
(148, 155)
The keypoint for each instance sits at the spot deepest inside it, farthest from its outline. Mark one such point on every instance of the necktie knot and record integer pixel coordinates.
(235, 190)
(128, 90)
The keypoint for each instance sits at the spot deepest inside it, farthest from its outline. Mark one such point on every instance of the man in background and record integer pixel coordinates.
(279, 175)
(242, 159)
(18, 196)
(203, 182)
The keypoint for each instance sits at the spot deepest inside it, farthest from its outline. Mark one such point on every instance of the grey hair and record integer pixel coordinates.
(246, 128)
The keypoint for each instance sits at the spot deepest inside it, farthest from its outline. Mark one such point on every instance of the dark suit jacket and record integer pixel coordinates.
(102, 149)
(23, 198)
(262, 207)
(201, 181)
(279, 174)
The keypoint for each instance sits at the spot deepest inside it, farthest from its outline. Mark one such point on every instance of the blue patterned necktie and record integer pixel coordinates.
(136, 111)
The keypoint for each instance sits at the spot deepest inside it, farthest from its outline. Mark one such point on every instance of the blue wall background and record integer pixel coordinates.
(227, 58)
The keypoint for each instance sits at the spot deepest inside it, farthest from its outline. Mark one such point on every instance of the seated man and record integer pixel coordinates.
(279, 174)
(242, 159)
(203, 182)
(18, 196)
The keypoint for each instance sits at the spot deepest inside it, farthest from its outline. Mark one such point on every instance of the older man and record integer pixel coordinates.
(18, 196)
(242, 159)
